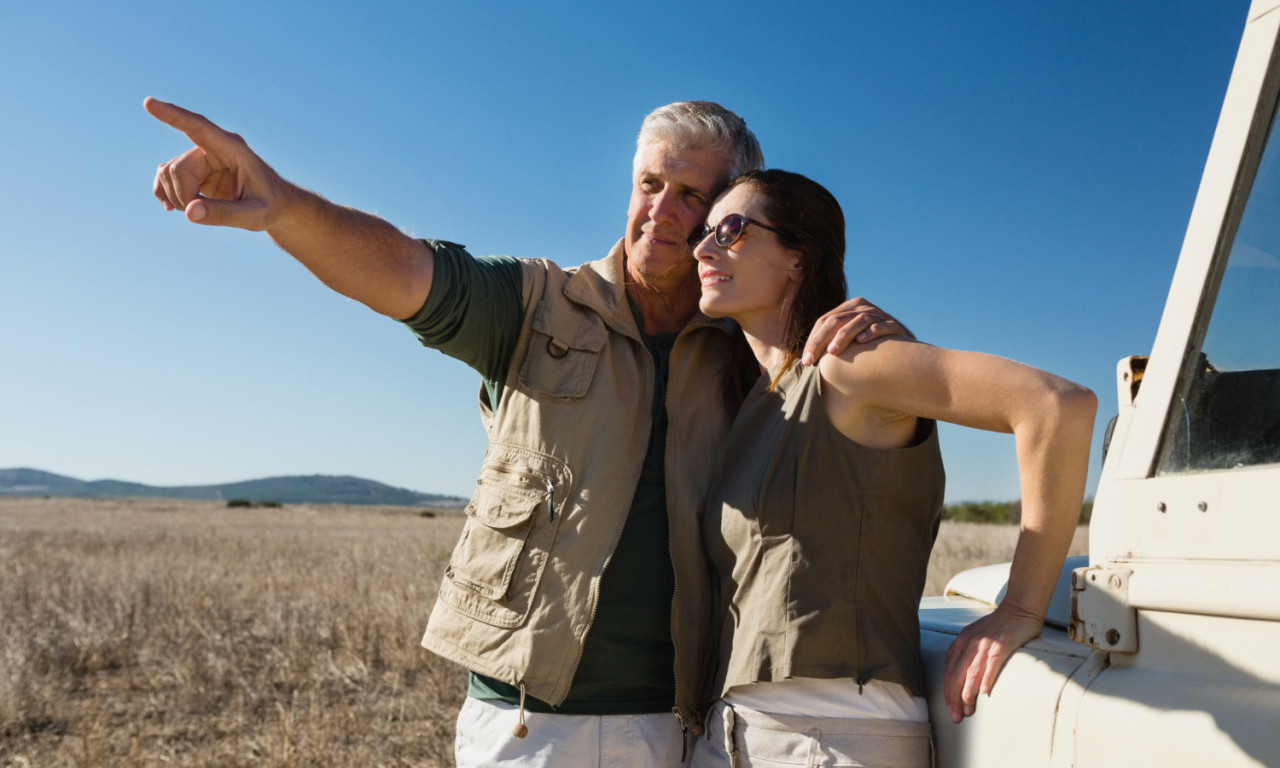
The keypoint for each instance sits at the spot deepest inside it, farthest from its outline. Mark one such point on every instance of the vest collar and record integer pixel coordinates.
(601, 286)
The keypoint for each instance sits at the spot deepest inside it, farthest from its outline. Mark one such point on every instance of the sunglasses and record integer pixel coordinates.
(729, 230)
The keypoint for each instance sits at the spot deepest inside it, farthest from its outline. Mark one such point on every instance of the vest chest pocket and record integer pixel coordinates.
(495, 568)
(564, 347)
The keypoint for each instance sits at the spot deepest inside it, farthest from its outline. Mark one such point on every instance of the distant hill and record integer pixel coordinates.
(297, 489)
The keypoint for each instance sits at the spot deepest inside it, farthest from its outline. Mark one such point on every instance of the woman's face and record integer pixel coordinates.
(751, 279)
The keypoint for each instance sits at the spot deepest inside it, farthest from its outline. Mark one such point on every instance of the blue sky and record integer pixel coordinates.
(1017, 179)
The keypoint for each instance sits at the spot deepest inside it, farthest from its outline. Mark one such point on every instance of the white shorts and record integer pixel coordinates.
(485, 739)
(742, 737)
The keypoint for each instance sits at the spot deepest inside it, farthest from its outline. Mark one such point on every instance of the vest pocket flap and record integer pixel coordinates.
(502, 507)
(497, 526)
(569, 327)
(564, 345)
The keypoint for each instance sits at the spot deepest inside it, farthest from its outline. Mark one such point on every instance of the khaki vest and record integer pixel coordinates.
(820, 544)
(567, 439)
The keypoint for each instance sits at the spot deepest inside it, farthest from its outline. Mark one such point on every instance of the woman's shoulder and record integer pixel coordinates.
(857, 392)
(865, 363)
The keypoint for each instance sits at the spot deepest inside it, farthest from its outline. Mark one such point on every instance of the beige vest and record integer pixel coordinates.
(566, 443)
(820, 544)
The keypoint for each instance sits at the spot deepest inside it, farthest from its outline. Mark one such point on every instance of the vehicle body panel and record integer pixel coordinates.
(1176, 618)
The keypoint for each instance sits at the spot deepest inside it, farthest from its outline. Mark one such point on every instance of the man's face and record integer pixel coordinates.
(671, 193)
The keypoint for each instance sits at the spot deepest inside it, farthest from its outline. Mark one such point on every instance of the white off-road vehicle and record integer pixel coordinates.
(1162, 646)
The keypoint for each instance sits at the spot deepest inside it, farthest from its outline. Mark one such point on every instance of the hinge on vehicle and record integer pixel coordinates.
(1129, 377)
(1101, 616)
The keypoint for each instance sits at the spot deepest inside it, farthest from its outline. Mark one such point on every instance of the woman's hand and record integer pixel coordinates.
(978, 655)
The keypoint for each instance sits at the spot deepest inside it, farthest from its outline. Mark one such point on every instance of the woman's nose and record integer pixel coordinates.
(705, 250)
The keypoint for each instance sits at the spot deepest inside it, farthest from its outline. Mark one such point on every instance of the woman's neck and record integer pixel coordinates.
(767, 342)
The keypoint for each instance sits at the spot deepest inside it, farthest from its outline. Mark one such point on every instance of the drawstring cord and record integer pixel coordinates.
(521, 730)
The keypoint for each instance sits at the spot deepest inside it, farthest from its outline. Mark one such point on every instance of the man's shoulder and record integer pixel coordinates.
(597, 283)
(592, 276)
(549, 266)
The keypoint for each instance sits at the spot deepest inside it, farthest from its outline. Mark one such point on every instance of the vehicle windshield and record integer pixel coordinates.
(1227, 414)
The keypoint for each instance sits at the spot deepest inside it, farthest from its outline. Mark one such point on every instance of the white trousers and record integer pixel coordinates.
(485, 739)
(740, 738)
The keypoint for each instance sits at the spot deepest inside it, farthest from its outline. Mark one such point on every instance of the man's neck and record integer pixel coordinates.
(664, 309)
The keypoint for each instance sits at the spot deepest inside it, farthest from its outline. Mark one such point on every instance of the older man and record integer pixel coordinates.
(573, 590)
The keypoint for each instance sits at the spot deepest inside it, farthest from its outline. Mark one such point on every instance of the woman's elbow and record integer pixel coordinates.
(1075, 406)
(1085, 401)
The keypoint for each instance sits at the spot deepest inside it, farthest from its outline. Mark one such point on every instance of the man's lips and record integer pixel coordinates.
(656, 239)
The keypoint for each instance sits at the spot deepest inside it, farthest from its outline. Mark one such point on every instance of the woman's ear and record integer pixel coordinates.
(793, 266)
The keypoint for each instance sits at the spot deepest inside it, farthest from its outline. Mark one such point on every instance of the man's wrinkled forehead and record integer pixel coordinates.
(659, 158)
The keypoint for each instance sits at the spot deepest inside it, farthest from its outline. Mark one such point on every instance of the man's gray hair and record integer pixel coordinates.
(703, 125)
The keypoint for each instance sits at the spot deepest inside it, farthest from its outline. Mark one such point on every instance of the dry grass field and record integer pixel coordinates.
(967, 545)
(148, 632)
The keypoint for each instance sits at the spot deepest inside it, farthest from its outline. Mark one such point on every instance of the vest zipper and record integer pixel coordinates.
(684, 735)
(551, 501)
(698, 724)
(671, 550)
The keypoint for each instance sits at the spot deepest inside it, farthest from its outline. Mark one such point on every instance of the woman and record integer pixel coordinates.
(822, 517)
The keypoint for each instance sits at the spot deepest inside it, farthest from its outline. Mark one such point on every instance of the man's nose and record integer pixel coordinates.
(664, 206)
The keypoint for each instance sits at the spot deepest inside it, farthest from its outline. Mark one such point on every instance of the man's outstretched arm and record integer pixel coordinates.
(221, 182)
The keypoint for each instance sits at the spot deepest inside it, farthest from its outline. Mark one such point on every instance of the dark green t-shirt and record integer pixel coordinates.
(628, 661)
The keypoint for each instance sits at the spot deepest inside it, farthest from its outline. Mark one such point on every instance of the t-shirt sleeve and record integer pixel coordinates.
(473, 312)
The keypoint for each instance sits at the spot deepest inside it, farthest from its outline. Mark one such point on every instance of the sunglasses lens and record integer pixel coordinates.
(729, 230)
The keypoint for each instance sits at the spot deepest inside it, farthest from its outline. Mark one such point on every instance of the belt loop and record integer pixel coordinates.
(815, 748)
(730, 743)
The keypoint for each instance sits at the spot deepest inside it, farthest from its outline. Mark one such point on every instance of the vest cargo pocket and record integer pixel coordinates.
(498, 521)
(564, 347)
(495, 568)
